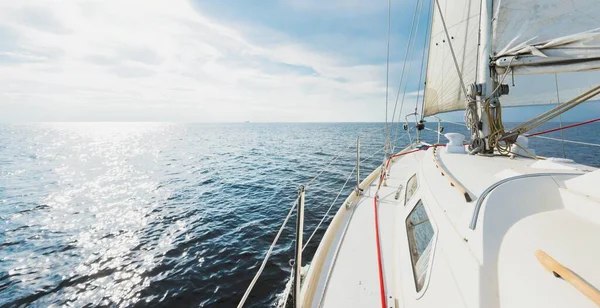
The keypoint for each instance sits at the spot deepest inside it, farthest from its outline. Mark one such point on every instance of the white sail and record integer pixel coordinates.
(443, 91)
(558, 47)
(549, 36)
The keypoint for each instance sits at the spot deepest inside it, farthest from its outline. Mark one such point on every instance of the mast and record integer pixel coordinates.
(485, 86)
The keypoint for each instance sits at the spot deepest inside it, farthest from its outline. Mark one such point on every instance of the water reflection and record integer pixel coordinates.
(84, 234)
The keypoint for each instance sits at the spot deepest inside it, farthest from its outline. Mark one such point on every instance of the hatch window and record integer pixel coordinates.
(411, 188)
(420, 242)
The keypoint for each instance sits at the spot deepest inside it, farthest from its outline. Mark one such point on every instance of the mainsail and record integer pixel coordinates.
(545, 50)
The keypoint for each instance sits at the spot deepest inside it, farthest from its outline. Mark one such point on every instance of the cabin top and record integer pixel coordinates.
(482, 177)
(517, 206)
(438, 248)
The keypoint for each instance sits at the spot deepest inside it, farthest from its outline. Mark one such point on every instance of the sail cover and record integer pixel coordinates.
(443, 91)
(558, 44)
(547, 29)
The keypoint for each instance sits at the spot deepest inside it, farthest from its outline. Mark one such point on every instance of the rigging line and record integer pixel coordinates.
(433, 130)
(412, 38)
(367, 132)
(455, 123)
(423, 60)
(264, 262)
(381, 150)
(462, 82)
(412, 27)
(330, 207)
(411, 53)
(481, 3)
(564, 127)
(412, 49)
(508, 70)
(387, 70)
(376, 152)
(562, 135)
(552, 113)
(329, 164)
(288, 289)
(569, 141)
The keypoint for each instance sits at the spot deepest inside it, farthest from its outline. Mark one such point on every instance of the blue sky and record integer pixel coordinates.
(204, 61)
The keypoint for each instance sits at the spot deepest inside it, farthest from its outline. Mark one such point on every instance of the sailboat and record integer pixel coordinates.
(479, 220)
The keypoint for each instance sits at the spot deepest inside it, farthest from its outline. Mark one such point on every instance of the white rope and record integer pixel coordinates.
(377, 152)
(330, 207)
(462, 82)
(435, 131)
(455, 123)
(410, 36)
(286, 292)
(508, 70)
(554, 112)
(569, 141)
(387, 69)
(419, 8)
(421, 82)
(381, 150)
(340, 192)
(426, 47)
(268, 254)
(372, 131)
(329, 164)
(264, 263)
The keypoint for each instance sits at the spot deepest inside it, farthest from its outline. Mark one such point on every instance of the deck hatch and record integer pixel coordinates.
(411, 188)
(420, 241)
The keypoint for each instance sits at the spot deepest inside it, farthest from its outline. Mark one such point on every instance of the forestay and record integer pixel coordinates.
(443, 90)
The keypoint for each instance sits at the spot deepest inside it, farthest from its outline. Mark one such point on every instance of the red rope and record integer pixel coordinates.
(387, 164)
(400, 154)
(381, 285)
(564, 127)
(379, 263)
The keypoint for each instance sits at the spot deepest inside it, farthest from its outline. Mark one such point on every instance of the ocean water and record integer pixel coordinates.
(175, 215)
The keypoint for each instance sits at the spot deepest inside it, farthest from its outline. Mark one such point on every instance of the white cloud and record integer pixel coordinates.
(358, 6)
(163, 60)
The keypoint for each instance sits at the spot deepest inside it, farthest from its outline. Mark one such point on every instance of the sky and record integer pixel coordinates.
(205, 61)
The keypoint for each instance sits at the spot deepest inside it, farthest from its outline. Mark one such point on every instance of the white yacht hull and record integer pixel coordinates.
(478, 253)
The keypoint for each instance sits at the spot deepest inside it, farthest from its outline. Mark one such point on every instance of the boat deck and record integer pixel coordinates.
(345, 271)
(360, 286)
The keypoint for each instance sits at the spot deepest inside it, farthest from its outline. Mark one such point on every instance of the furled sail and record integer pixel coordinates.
(443, 91)
(548, 51)
(558, 47)
(548, 36)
